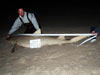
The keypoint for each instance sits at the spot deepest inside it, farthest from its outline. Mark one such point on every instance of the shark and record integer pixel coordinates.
(24, 41)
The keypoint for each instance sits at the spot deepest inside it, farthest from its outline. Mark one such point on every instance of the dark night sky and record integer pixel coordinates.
(41, 8)
(51, 6)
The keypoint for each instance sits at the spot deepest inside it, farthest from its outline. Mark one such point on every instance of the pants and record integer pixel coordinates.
(29, 28)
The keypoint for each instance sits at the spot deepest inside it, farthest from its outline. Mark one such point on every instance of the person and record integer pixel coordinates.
(96, 31)
(26, 19)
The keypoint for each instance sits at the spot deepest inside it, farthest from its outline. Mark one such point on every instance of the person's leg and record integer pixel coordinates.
(29, 28)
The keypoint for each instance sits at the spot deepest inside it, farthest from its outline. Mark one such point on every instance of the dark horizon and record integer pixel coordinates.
(55, 13)
(52, 6)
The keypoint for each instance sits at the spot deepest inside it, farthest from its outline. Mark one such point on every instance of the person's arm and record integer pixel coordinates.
(95, 33)
(33, 20)
(15, 26)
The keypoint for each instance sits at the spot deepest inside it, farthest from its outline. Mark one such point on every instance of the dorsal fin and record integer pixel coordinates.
(61, 38)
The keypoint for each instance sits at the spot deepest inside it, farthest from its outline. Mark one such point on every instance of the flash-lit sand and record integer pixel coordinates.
(65, 59)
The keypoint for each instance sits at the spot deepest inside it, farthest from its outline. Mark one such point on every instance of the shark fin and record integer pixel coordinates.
(76, 39)
(61, 38)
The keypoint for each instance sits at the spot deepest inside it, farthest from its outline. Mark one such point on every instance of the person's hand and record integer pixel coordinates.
(37, 31)
(95, 33)
(8, 36)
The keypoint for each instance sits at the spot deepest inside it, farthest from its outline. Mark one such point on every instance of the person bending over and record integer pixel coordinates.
(26, 19)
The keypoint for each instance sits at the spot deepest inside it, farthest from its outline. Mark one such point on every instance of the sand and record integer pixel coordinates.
(65, 59)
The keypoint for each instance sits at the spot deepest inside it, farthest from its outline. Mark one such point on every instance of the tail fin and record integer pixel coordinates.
(76, 39)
